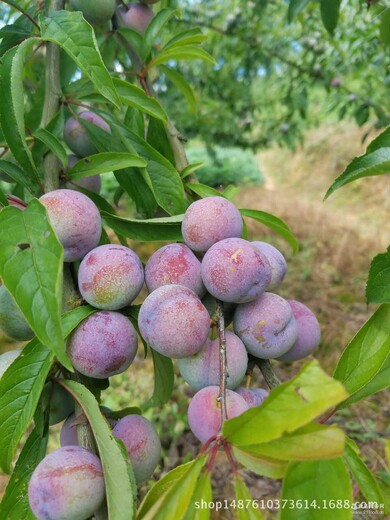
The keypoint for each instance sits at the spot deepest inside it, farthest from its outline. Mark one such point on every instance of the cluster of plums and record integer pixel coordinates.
(177, 319)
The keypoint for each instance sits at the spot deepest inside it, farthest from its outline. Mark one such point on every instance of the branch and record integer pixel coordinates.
(222, 360)
(24, 13)
(266, 369)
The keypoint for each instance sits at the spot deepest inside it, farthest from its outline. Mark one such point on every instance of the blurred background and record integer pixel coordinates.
(281, 115)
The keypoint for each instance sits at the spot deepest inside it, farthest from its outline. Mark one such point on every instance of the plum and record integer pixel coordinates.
(174, 264)
(142, 443)
(67, 484)
(91, 183)
(75, 220)
(253, 396)
(110, 277)
(77, 137)
(233, 270)
(103, 345)
(68, 433)
(309, 333)
(174, 322)
(95, 11)
(202, 369)
(7, 358)
(134, 16)
(204, 412)
(266, 326)
(12, 321)
(277, 262)
(210, 220)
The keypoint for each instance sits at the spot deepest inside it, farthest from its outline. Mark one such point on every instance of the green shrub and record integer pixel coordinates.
(223, 166)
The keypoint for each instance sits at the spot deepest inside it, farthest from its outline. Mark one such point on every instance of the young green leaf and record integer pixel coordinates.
(378, 284)
(135, 97)
(117, 469)
(31, 263)
(187, 37)
(274, 223)
(53, 143)
(288, 407)
(20, 390)
(156, 26)
(15, 504)
(265, 466)
(203, 190)
(187, 52)
(382, 141)
(321, 483)
(104, 163)
(202, 492)
(18, 175)
(72, 33)
(295, 7)
(330, 14)
(364, 356)
(182, 84)
(163, 380)
(157, 137)
(190, 169)
(154, 229)
(248, 511)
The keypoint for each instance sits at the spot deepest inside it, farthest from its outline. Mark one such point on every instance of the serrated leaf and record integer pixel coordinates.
(53, 143)
(31, 266)
(12, 107)
(135, 97)
(364, 356)
(15, 504)
(382, 141)
(186, 52)
(274, 223)
(182, 84)
(157, 137)
(72, 33)
(260, 465)
(248, 511)
(154, 229)
(320, 482)
(117, 469)
(295, 7)
(20, 389)
(135, 120)
(163, 380)
(378, 284)
(288, 407)
(174, 502)
(17, 174)
(330, 14)
(104, 163)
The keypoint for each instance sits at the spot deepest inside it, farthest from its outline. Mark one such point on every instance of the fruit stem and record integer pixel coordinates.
(222, 360)
(266, 369)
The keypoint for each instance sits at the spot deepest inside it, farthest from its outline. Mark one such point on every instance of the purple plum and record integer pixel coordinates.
(253, 396)
(277, 262)
(134, 16)
(77, 137)
(91, 183)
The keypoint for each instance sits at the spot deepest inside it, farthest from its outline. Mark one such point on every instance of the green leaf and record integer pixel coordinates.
(17, 174)
(12, 106)
(104, 163)
(249, 511)
(163, 380)
(154, 229)
(188, 37)
(174, 499)
(288, 407)
(365, 354)
(295, 7)
(375, 163)
(274, 223)
(117, 469)
(135, 97)
(320, 483)
(15, 504)
(260, 465)
(53, 143)
(134, 38)
(135, 120)
(3, 198)
(31, 262)
(20, 389)
(330, 14)
(361, 474)
(157, 137)
(203, 190)
(182, 84)
(187, 52)
(203, 492)
(378, 284)
(156, 26)
(190, 169)
(72, 33)
(384, 28)
(382, 141)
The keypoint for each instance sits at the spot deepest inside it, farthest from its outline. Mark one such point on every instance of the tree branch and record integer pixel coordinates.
(266, 369)
(222, 360)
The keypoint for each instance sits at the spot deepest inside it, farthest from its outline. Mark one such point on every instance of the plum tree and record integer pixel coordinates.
(210, 220)
(95, 11)
(7, 358)
(174, 264)
(202, 369)
(277, 262)
(253, 396)
(77, 137)
(204, 411)
(110, 277)
(173, 320)
(75, 220)
(91, 183)
(67, 483)
(266, 326)
(12, 321)
(233, 270)
(61, 403)
(142, 443)
(309, 333)
(135, 16)
(103, 345)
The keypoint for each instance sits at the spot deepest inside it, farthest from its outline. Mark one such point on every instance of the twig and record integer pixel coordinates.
(24, 13)
(266, 369)
(222, 360)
